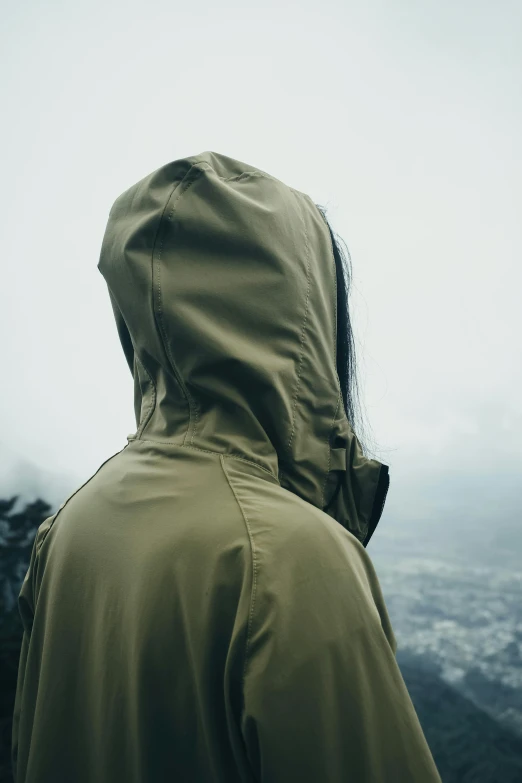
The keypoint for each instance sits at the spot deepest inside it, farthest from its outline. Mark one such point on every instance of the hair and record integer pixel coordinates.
(345, 349)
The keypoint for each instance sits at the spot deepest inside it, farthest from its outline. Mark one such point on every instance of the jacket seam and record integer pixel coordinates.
(152, 405)
(53, 517)
(208, 451)
(339, 392)
(192, 406)
(254, 572)
(69, 497)
(303, 327)
(235, 177)
(245, 174)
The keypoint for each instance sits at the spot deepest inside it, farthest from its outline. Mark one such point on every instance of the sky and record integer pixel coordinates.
(404, 119)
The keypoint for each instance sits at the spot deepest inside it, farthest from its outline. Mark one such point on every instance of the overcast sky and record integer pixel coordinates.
(403, 118)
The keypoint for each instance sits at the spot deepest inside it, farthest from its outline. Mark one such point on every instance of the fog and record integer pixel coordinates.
(403, 119)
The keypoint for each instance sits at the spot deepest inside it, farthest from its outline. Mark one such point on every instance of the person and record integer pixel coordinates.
(204, 609)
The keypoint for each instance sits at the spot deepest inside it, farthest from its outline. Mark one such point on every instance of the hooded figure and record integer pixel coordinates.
(203, 609)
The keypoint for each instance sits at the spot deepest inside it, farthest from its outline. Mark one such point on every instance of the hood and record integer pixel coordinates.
(222, 281)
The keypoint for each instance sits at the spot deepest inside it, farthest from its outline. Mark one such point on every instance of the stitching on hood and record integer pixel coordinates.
(339, 393)
(191, 402)
(303, 327)
(252, 173)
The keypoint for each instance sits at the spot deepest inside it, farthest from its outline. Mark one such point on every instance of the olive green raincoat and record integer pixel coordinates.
(203, 609)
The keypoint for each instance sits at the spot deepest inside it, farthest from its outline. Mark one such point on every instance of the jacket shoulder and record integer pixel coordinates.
(297, 548)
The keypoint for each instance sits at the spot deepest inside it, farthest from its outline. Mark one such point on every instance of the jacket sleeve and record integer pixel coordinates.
(26, 608)
(18, 703)
(324, 698)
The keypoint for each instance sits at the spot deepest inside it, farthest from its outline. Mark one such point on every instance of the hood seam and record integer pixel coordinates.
(192, 404)
(303, 327)
(148, 413)
(339, 392)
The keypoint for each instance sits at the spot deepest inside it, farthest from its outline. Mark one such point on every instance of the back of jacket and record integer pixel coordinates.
(203, 609)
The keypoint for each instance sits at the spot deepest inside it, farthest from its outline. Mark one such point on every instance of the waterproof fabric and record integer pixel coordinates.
(192, 613)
